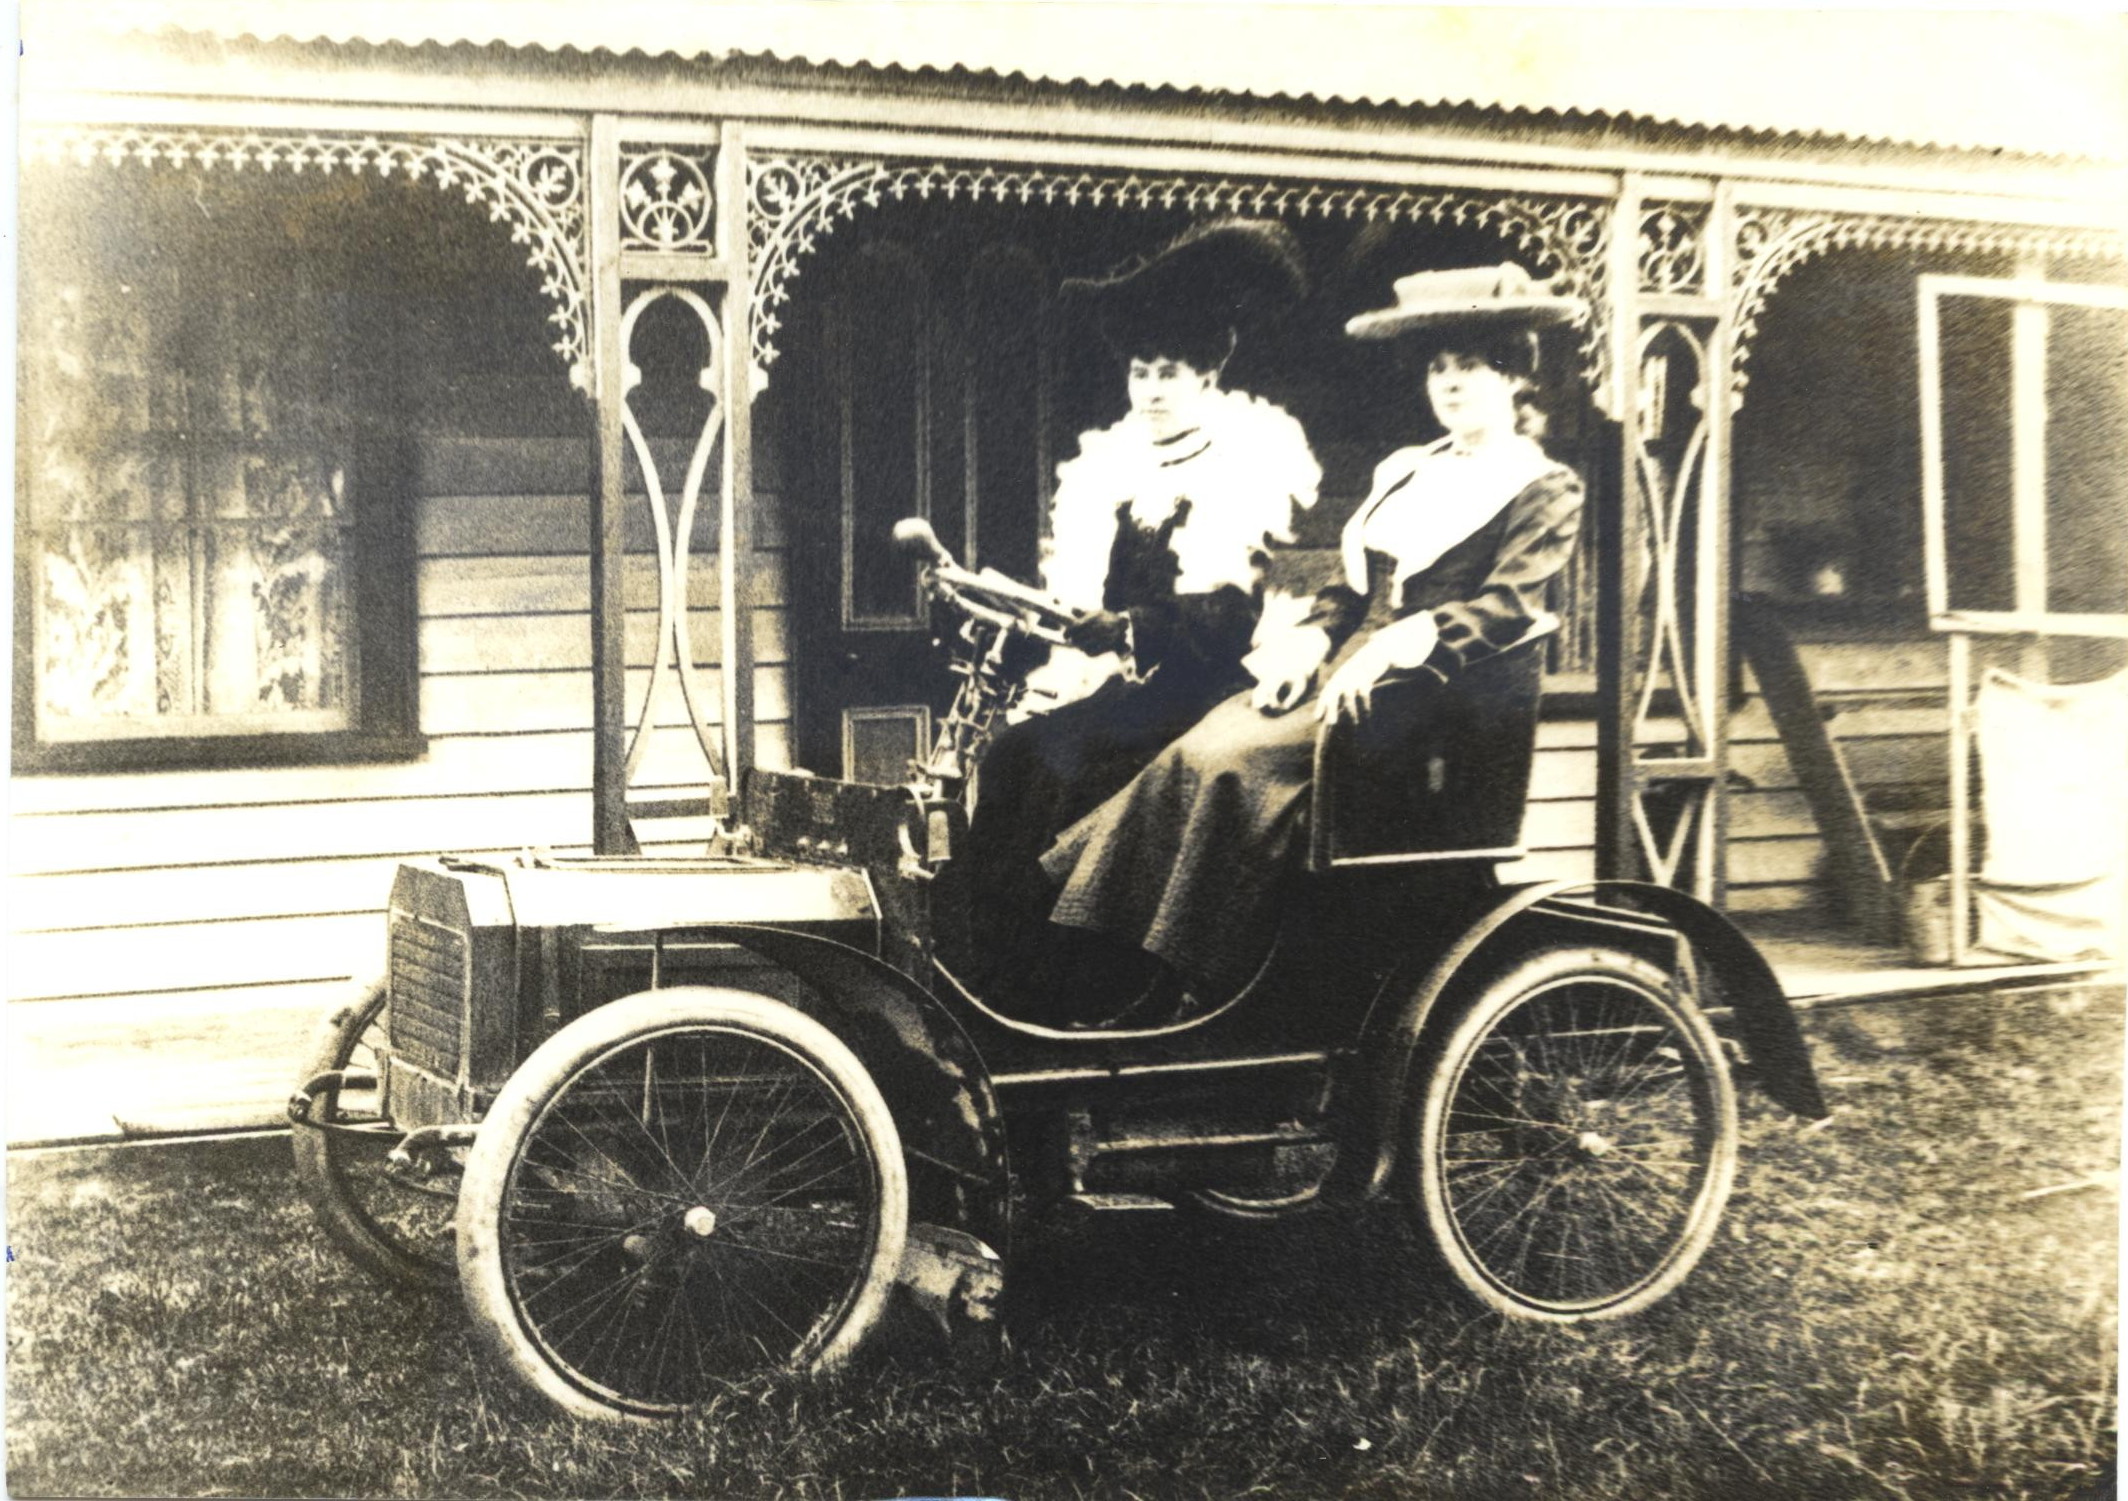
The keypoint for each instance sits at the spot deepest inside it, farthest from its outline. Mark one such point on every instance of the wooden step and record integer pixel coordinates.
(1855, 859)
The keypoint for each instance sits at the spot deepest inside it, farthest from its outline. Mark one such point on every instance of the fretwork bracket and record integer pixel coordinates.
(1771, 243)
(537, 188)
(795, 200)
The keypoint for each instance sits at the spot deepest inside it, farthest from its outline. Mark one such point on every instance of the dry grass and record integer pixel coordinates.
(1883, 1316)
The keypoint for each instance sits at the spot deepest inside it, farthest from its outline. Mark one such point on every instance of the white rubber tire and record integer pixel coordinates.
(544, 1077)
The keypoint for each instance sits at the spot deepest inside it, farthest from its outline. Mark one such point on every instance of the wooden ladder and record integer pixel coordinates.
(1859, 871)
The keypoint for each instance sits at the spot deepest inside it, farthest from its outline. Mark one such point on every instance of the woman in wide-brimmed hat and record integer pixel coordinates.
(1157, 532)
(1446, 563)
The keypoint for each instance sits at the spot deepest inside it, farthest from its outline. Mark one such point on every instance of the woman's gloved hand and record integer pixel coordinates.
(1098, 632)
(1285, 667)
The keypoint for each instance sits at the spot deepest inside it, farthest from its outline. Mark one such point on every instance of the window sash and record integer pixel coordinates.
(2030, 299)
(188, 525)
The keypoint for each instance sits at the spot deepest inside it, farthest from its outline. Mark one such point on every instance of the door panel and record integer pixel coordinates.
(924, 393)
(879, 741)
(881, 351)
(1006, 408)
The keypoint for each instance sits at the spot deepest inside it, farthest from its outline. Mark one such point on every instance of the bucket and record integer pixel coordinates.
(1925, 920)
(1925, 901)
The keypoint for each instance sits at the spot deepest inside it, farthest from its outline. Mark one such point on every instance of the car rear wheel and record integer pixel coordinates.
(1577, 1139)
(394, 1225)
(680, 1189)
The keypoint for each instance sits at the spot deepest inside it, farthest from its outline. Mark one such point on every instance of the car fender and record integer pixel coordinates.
(1731, 970)
(1738, 974)
(934, 1080)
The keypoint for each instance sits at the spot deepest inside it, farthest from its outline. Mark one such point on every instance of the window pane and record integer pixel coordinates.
(185, 448)
(1978, 446)
(2087, 489)
(96, 651)
(301, 657)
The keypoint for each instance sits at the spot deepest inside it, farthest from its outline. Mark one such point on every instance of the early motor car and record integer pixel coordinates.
(667, 1122)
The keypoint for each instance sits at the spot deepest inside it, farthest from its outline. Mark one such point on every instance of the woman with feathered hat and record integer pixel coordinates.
(1447, 563)
(1157, 532)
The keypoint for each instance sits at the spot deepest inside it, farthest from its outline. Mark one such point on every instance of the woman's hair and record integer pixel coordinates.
(1140, 333)
(1512, 351)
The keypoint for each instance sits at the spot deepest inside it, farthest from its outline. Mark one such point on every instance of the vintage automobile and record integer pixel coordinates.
(670, 1122)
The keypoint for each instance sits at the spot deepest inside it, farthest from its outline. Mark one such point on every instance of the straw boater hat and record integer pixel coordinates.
(1189, 297)
(1503, 297)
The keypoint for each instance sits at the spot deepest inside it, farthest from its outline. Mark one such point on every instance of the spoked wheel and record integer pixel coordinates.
(396, 1226)
(684, 1188)
(1578, 1138)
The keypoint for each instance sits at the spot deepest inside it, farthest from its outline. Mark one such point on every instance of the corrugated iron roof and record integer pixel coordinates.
(2049, 83)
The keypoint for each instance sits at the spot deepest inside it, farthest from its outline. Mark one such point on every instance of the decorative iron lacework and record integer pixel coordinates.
(536, 187)
(793, 201)
(1770, 243)
(666, 202)
(1673, 253)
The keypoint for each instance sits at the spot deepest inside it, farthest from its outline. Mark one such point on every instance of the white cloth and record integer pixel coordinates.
(1247, 472)
(2054, 802)
(1424, 500)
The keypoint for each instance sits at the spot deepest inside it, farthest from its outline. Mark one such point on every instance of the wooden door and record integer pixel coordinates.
(922, 391)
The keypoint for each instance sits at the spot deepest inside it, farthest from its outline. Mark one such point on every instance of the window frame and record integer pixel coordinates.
(382, 719)
(2030, 298)
(381, 563)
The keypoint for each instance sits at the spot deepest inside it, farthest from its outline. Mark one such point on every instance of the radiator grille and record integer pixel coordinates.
(428, 993)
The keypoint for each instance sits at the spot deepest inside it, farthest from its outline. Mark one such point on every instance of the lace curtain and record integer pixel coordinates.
(184, 447)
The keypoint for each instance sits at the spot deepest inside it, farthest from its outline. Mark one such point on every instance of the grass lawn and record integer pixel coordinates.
(1884, 1314)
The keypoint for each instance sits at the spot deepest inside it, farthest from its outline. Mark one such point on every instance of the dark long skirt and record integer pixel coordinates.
(1038, 778)
(1190, 861)
(1189, 858)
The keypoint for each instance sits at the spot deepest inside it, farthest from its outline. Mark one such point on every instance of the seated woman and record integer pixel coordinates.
(1156, 536)
(1446, 564)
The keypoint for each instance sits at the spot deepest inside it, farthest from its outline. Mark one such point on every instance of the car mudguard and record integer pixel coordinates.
(1765, 1022)
(1732, 970)
(924, 1063)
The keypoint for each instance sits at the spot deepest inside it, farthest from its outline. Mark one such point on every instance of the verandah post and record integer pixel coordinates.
(609, 681)
(1619, 546)
(736, 523)
(1663, 554)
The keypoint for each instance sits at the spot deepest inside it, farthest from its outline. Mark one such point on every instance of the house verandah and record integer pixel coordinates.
(404, 475)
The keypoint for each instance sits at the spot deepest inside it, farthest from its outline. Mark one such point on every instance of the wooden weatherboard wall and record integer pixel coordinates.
(1886, 704)
(209, 916)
